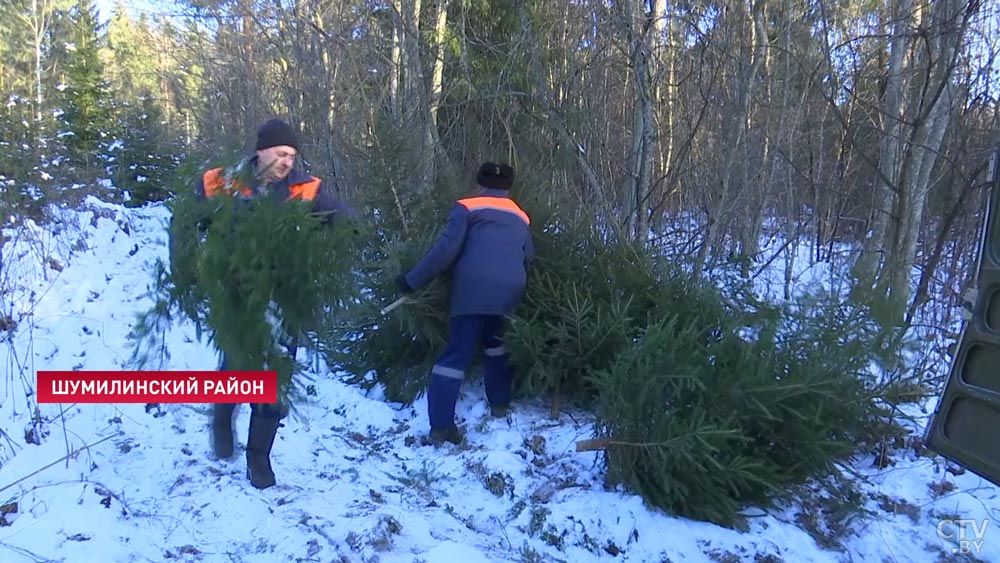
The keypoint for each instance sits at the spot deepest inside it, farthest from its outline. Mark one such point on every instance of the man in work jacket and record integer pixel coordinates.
(487, 245)
(274, 177)
(275, 174)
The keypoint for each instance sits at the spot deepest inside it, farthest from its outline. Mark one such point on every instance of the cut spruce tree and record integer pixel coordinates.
(255, 274)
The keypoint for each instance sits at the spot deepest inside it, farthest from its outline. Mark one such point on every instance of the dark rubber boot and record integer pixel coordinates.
(259, 442)
(453, 435)
(222, 430)
(442, 395)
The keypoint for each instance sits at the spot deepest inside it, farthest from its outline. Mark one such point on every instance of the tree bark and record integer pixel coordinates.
(934, 94)
(891, 117)
(396, 58)
(643, 129)
(917, 111)
(439, 31)
(666, 97)
(417, 114)
(37, 21)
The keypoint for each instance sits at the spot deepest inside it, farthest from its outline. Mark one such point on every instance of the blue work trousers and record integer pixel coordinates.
(466, 333)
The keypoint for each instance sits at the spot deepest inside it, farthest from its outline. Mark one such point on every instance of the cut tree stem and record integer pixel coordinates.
(554, 411)
(593, 445)
(604, 442)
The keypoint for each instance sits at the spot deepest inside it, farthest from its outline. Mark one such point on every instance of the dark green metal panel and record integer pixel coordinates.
(964, 426)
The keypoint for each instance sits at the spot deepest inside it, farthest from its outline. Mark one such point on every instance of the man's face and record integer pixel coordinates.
(275, 163)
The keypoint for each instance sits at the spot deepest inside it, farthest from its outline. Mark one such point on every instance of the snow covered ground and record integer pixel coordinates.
(355, 482)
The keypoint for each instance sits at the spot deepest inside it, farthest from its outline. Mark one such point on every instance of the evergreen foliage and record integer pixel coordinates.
(705, 426)
(26, 176)
(588, 296)
(400, 347)
(145, 157)
(706, 401)
(88, 100)
(133, 55)
(257, 274)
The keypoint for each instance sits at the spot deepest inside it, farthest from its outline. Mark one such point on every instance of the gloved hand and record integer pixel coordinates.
(402, 285)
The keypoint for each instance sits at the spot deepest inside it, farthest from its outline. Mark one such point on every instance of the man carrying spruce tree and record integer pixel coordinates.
(269, 173)
(487, 245)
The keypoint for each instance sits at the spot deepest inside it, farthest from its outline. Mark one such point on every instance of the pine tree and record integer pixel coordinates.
(144, 157)
(88, 103)
(29, 146)
(134, 65)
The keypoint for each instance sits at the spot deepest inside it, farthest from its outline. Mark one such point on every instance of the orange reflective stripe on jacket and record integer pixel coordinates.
(305, 190)
(215, 183)
(500, 203)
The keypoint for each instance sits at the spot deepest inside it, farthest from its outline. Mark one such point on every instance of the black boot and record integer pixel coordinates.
(259, 442)
(222, 429)
(453, 435)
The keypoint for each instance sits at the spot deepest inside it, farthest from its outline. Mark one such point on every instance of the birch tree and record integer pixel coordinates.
(915, 113)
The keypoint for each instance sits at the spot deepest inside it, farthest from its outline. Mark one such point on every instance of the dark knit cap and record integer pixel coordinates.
(495, 176)
(276, 132)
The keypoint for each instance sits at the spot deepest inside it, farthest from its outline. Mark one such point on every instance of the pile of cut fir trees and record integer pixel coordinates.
(706, 401)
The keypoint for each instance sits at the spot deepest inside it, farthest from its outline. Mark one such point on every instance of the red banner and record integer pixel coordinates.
(157, 386)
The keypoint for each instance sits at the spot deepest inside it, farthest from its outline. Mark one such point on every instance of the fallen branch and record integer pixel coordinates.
(33, 556)
(71, 454)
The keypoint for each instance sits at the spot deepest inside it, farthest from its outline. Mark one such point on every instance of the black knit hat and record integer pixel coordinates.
(495, 176)
(276, 132)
